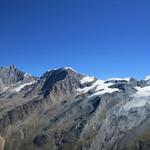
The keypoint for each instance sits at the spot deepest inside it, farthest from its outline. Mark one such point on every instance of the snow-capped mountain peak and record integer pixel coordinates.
(65, 109)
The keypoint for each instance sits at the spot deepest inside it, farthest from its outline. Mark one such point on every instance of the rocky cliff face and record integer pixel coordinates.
(11, 75)
(65, 110)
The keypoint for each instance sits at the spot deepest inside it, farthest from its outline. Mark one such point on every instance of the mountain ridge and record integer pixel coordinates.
(64, 109)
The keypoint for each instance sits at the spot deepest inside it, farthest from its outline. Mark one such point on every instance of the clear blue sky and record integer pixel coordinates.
(105, 38)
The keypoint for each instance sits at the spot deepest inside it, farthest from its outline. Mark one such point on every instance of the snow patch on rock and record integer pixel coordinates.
(22, 86)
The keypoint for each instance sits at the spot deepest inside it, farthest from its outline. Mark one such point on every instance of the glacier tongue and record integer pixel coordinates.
(68, 109)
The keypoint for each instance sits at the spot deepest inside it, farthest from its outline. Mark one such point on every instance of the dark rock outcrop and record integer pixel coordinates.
(65, 110)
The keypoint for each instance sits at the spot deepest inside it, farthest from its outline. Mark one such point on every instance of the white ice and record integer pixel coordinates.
(147, 77)
(22, 86)
(99, 87)
(87, 79)
(140, 98)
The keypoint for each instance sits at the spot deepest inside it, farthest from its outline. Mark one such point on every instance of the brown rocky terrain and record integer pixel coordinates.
(64, 109)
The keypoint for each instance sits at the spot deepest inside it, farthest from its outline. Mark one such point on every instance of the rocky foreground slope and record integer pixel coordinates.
(65, 110)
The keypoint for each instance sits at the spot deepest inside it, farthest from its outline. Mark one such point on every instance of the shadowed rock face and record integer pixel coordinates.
(65, 110)
(62, 79)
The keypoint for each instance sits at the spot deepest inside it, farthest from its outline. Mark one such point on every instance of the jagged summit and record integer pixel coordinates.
(64, 109)
(10, 67)
(10, 75)
(61, 73)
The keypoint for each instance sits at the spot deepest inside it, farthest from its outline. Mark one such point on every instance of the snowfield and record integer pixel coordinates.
(22, 86)
(87, 79)
(99, 87)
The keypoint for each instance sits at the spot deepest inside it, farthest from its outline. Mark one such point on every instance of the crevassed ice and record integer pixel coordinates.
(142, 92)
(136, 102)
(140, 98)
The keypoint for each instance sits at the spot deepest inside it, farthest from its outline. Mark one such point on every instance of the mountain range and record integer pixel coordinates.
(67, 110)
